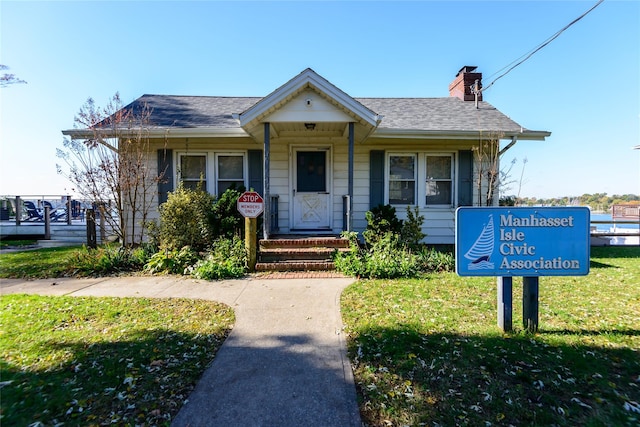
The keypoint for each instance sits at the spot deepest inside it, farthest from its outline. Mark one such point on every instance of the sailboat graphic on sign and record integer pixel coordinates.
(481, 251)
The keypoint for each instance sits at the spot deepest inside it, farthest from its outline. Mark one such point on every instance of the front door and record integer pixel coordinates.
(311, 189)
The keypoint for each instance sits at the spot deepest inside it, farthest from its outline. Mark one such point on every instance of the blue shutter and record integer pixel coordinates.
(376, 178)
(465, 178)
(256, 178)
(165, 174)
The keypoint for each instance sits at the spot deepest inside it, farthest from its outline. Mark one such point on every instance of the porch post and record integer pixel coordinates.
(350, 178)
(266, 216)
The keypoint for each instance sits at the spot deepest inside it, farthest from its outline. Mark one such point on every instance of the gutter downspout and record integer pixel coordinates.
(514, 139)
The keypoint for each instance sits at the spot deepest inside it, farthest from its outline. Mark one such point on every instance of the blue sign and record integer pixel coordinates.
(527, 242)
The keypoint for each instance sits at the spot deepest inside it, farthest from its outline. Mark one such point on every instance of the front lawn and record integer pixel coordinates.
(101, 361)
(429, 352)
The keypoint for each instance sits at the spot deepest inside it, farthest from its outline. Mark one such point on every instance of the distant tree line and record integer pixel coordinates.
(598, 202)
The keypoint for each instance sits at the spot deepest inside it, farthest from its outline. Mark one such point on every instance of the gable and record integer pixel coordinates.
(309, 106)
(289, 104)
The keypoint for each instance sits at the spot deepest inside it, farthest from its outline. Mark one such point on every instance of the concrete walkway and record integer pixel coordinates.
(284, 364)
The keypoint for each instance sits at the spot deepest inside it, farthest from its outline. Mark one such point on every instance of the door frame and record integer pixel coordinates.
(294, 149)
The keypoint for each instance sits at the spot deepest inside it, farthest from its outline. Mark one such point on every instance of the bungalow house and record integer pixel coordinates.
(321, 158)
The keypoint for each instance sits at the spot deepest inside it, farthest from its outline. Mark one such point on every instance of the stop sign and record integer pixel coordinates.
(250, 204)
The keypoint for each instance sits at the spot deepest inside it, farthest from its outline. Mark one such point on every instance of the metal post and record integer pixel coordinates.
(505, 303)
(18, 210)
(350, 175)
(91, 229)
(68, 210)
(266, 196)
(47, 223)
(103, 228)
(530, 288)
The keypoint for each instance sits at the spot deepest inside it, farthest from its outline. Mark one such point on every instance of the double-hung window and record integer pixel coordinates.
(230, 171)
(402, 179)
(192, 171)
(439, 183)
(421, 179)
(213, 172)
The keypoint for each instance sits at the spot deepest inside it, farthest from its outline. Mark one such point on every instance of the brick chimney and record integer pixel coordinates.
(460, 87)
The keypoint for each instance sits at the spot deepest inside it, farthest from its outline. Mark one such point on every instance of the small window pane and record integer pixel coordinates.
(230, 167)
(401, 167)
(438, 192)
(439, 167)
(193, 167)
(401, 192)
(225, 185)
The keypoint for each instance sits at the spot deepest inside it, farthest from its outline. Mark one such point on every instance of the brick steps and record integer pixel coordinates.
(301, 254)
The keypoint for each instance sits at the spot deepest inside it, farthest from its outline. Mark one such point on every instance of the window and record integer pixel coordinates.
(213, 171)
(402, 179)
(193, 170)
(423, 179)
(439, 184)
(230, 172)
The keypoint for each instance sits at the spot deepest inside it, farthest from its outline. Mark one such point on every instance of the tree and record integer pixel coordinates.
(486, 157)
(109, 165)
(7, 79)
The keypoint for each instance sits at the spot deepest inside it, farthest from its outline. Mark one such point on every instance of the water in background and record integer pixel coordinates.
(607, 227)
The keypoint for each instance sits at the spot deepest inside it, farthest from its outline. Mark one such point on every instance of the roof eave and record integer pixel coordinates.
(160, 133)
(460, 134)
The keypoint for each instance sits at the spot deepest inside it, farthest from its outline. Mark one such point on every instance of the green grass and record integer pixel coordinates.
(429, 351)
(37, 264)
(100, 361)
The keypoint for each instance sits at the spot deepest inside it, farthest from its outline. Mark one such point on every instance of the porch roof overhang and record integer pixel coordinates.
(347, 109)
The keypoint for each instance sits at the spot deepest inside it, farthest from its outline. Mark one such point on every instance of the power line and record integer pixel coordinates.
(545, 43)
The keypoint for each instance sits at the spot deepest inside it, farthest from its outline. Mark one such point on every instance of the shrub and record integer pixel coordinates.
(388, 259)
(411, 231)
(173, 261)
(107, 260)
(381, 220)
(186, 220)
(350, 262)
(431, 260)
(227, 259)
(226, 220)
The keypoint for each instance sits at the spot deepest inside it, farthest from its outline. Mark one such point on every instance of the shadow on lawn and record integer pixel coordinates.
(591, 332)
(144, 379)
(451, 379)
(615, 252)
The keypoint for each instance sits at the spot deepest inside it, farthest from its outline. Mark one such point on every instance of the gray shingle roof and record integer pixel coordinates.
(414, 114)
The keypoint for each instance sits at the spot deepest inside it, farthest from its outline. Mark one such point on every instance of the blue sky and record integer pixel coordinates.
(584, 86)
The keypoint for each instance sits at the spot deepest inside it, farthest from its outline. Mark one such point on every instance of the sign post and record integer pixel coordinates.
(250, 205)
(527, 242)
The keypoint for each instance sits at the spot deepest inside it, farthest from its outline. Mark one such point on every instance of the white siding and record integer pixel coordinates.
(439, 221)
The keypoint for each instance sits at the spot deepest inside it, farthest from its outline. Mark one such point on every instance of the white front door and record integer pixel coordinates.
(311, 189)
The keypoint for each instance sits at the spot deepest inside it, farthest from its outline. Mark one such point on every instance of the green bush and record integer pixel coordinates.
(107, 260)
(186, 219)
(432, 260)
(350, 262)
(411, 230)
(381, 220)
(227, 259)
(227, 221)
(172, 261)
(388, 259)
